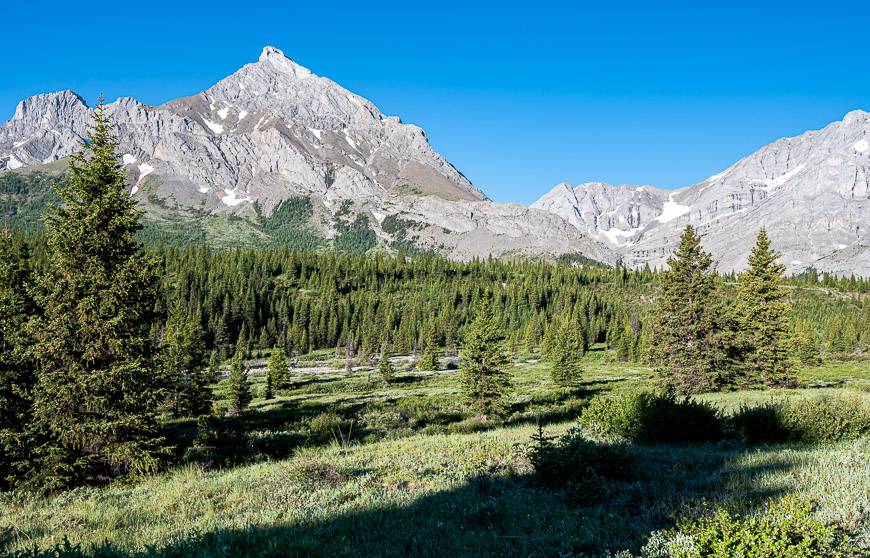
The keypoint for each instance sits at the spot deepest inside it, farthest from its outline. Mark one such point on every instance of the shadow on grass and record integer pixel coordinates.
(486, 516)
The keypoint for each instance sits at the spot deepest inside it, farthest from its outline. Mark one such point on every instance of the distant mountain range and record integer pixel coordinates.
(811, 192)
(275, 155)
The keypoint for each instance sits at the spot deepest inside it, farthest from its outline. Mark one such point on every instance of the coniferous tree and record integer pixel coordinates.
(277, 365)
(263, 342)
(806, 343)
(97, 396)
(221, 339)
(484, 359)
(17, 376)
(565, 354)
(385, 368)
(690, 340)
(183, 352)
(213, 371)
(430, 352)
(268, 391)
(763, 317)
(242, 343)
(239, 387)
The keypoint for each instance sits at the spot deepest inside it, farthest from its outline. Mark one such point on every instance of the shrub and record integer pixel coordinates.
(760, 424)
(219, 441)
(827, 419)
(649, 418)
(325, 427)
(274, 444)
(786, 527)
(580, 467)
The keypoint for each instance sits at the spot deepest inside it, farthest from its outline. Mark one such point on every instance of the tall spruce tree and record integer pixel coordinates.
(482, 372)
(239, 387)
(277, 366)
(182, 360)
(17, 376)
(385, 368)
(565, 353)
(97, 394)
(430, 352)
(268, 388)
(691, 338)
(763, 317)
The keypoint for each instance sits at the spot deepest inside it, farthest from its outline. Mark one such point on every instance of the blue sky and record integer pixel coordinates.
(518, 96)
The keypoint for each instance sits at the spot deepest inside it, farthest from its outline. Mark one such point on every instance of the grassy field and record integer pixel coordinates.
(349, 467)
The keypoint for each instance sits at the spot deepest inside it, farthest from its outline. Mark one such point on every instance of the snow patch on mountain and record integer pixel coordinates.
(671, 210)
(773, 183)
(614, 235)
(144, 170)
(213, 126)
(13, 163)
(232, 200)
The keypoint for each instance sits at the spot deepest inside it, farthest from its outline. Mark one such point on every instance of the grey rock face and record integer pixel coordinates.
(811, 192)
(44, 128)
(273, 130)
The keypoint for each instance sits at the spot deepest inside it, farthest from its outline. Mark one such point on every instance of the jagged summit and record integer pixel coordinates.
(276, 58)
(270, 52)
(57, 101)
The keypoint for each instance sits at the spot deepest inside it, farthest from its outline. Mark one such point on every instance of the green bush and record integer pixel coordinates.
(827, 419)
(760, 424)
(274, 444)
(650, 418)
(327, 427)
(785, 528)
(425, 410)
(578, 466)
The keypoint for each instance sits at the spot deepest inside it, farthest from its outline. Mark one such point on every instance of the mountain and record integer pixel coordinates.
(811, 192)
(276, 154)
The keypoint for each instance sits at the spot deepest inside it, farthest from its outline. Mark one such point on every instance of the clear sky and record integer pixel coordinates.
(518, 96)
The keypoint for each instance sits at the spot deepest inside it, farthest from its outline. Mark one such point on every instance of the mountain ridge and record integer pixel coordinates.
(273, 132)
(811, 192)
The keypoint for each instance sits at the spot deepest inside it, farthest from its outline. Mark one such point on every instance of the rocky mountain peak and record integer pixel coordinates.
(277, 59)
(60, 102)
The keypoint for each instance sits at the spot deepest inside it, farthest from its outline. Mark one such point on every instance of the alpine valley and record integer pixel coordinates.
(276, 155)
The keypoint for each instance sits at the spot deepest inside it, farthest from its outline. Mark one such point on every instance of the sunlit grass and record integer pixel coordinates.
(452, 487)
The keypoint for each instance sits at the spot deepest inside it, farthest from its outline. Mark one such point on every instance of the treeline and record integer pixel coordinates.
(305, 301)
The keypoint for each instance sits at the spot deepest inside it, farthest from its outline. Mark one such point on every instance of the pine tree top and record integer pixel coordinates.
(97, 218)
